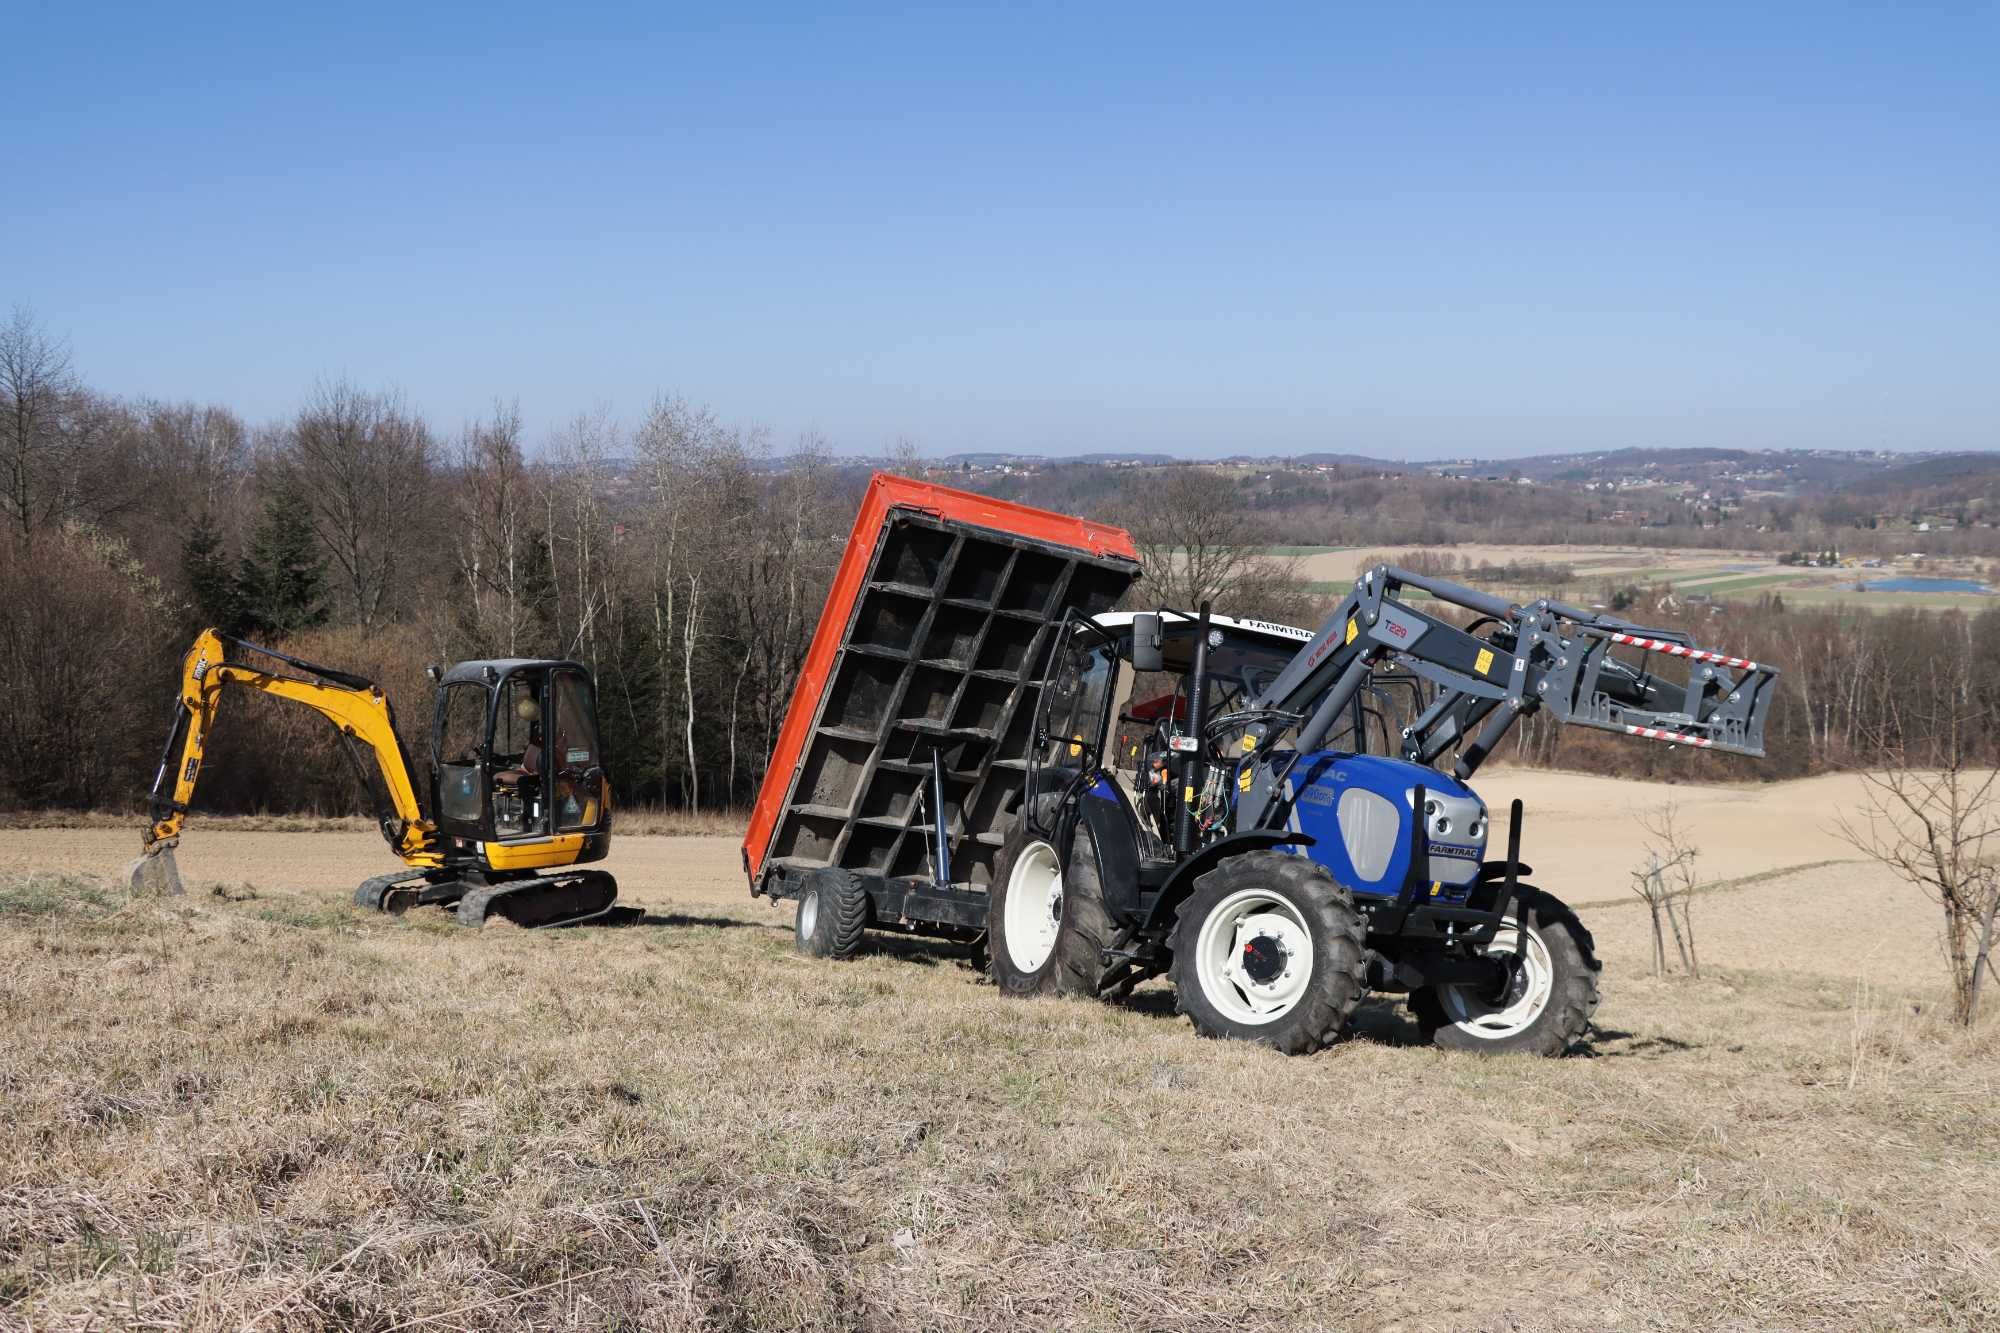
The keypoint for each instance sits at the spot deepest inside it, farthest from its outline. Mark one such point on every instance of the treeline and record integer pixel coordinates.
(683, 559)
(1354, 505)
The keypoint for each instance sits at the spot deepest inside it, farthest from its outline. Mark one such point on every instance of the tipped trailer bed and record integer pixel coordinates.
(924, 673)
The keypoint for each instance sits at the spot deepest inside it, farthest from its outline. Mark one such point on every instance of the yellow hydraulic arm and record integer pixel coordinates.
(354, 705)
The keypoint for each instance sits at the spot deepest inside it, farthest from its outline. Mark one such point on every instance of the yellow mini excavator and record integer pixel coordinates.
(518, 794)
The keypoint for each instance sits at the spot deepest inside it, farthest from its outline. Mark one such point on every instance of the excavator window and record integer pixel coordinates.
(573, 757)
(461, 731)
(521, 758)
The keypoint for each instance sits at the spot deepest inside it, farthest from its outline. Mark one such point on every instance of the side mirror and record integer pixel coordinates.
(1146, 638)
(435, 672)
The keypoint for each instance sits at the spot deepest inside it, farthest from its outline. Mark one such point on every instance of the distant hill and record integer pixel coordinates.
(1928, 473)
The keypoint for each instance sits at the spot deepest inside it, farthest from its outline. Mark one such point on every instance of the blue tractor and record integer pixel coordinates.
(1280, 823)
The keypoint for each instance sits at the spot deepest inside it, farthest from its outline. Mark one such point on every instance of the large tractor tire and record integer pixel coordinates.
(1046, 926)
(833, 912)
(1269, 949)
(1547, 1006)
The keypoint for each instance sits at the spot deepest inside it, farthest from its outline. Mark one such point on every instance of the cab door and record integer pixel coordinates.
(579, 792)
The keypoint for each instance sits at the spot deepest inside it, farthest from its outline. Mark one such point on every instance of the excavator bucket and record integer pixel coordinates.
(154, 874)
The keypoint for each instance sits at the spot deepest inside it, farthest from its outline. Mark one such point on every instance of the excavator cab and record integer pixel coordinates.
(518, 778)
(519, 798)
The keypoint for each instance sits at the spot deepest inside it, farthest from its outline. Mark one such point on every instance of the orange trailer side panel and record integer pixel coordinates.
(885, 495)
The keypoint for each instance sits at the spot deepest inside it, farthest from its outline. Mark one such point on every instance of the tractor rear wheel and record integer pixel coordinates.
(1269, 949)
(833, 913)
(1046, 926)
(1548, 1001)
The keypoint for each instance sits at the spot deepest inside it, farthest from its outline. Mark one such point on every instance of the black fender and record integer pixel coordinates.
(1113, 834)
(1181, 883)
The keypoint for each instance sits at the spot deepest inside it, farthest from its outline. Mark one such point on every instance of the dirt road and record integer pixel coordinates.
(1841, 920)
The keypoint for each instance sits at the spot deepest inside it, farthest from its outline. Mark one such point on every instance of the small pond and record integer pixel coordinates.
(1921, 585)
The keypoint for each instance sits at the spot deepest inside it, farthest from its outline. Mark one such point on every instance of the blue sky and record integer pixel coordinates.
(1412, 231)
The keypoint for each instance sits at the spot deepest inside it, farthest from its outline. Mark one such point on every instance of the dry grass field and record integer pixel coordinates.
(257, 1107)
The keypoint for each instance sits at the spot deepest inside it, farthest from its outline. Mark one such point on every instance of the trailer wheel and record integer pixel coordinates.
(1547, 1006)
(1046, 926)
(833, 911)
(1269, 949)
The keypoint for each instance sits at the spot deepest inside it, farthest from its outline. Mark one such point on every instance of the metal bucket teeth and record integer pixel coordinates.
(552, 900)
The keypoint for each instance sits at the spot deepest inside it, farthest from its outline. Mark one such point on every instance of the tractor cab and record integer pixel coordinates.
(1105, 707)
(518, 766)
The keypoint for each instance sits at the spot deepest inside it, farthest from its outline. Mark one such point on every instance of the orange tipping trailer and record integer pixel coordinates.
(926, 667)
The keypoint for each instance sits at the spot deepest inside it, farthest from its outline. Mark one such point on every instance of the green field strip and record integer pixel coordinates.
(1892, 601)
(1744, 583)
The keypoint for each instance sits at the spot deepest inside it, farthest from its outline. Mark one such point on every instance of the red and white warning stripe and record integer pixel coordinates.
(1678, 650)
(1674, 737)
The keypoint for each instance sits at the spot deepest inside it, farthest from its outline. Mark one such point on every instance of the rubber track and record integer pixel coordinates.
(1338, 921)
(473, 908)
(373, 893)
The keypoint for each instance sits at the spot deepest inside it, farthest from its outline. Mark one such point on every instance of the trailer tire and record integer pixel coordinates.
(1064, 954)
(833, 913)
(1562, 970)
(1247, 989)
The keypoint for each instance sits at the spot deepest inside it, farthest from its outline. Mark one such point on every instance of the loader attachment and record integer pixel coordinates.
(1716, 702)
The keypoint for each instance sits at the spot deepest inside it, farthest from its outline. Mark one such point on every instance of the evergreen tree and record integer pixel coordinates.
(281, 580)
(539, 596)
(205, 567)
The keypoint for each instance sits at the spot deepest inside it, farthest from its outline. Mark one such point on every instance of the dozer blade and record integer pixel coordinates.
(154, 874)
(550, 900)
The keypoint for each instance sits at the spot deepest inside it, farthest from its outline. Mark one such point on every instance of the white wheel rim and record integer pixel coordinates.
(1472, 1013)
(1032, 916)
(1254, 957)
(808, 913)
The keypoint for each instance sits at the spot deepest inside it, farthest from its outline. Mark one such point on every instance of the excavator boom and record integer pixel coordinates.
(356, 707)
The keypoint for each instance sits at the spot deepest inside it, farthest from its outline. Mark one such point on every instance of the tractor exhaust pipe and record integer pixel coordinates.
(1194, 763)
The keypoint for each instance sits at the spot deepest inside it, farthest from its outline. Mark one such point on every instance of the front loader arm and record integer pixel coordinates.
(356, 707)
(1545, 654)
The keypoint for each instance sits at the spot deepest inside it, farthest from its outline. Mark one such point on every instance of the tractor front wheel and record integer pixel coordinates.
(1550, 994)
(1269, 949)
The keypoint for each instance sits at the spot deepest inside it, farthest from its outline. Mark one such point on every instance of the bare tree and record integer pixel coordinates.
(491, 537)
(578, 534)
(1936, 824)
(364, 461)
(1666, 883)
(678, 443)
(61, 446)
(1200, 542)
